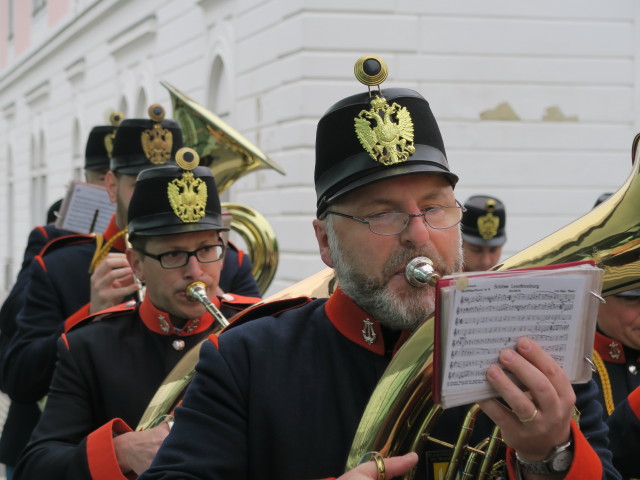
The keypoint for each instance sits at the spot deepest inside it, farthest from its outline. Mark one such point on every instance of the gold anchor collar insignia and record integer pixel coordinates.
(157, 141)
(489, 223)
(385, 132)
(368, 333)
(188, 194)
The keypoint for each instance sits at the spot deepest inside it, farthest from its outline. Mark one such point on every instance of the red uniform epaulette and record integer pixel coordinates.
(237, 250)
(66, 240)
(73, 322)
(269, 309)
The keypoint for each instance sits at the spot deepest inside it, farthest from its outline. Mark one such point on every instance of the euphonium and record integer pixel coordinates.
(174, 385)
(401, 412)
(230, 156)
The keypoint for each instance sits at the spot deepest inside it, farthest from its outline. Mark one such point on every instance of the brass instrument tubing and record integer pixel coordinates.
(197, 292)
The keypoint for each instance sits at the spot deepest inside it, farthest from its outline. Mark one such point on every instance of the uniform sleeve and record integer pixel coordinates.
(624, 435)
(30, 358)
(592, 457)
(221, 450)
(15, 300)
(63, 445)
(236, 276)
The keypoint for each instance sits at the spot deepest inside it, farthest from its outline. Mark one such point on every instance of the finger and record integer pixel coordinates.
(535, 355)
(113, 260)
(394, 466)
(518, 400)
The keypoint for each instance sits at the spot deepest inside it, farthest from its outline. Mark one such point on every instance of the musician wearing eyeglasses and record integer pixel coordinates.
(112, 363)
(281, 396)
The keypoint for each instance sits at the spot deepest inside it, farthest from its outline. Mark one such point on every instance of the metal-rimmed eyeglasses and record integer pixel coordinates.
(393, 223)
(179, 258)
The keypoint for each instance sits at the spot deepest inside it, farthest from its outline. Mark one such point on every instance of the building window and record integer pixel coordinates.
(76, 151)
(9, 226)
(38, 181)
(37, 6)
(10, 19)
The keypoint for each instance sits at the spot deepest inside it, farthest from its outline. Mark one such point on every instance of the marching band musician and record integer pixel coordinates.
(22, 416)
(83, 274)
(483, 232)
(111, 364)
(280, 395)
(617, 345)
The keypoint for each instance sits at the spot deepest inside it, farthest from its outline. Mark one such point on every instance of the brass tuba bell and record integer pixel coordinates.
(401, 413)
(230, 156)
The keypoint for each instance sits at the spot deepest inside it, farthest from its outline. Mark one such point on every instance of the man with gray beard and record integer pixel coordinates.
(280, 394)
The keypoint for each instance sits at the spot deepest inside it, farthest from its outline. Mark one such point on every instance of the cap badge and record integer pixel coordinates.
(187, 195)
(115, 118)
(488, 224)
(386, 132)
(157, 141)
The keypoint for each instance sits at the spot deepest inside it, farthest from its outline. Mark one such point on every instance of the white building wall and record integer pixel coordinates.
(568, 70)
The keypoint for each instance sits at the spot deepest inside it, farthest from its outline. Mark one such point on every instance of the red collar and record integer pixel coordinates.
(609, 349)
(159, 322)
(112, 230)
(356, 324)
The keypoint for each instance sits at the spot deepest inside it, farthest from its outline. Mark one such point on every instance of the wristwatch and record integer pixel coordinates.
(559, 461)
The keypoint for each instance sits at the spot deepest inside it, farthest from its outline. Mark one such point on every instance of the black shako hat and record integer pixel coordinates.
(374, 136)
(145, 143)
(97, 154)
(172, 199)
(483, 223)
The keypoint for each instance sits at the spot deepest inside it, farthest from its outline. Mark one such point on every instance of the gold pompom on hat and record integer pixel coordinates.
(142, 143)
(178, 198)
(375, 135)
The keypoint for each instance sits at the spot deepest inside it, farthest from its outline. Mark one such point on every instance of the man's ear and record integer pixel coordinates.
(135, 261)
(320, 229)
(110, 183)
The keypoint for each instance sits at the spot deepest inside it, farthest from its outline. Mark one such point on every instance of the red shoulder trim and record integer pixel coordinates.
(634, 402)
(60, 242)
(43, 231)
(39, 259)
(270, 309)
(101, 454)
(240, 253)
(213, 338)
(82, 316)
(65, 340)
(586, 464)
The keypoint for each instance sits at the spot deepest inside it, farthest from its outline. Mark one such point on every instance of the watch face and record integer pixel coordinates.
(562, 461)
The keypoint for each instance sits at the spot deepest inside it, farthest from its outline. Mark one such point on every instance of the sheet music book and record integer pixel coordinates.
(85, 209)
(478, 314)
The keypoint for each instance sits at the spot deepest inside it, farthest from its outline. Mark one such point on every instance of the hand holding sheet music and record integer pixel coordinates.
(479, 314)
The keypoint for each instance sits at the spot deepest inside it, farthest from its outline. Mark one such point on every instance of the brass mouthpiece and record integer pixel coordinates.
(196, 291)
(420, 272)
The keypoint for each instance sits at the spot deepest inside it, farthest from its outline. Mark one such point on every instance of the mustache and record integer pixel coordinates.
(400, 260)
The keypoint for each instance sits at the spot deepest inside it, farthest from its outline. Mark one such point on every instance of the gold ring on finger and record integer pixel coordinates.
(529, 419)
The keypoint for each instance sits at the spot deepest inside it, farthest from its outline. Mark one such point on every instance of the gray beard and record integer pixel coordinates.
(404, 311)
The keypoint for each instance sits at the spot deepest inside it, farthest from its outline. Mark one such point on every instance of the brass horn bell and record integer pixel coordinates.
(230, 156)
